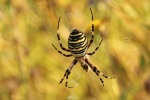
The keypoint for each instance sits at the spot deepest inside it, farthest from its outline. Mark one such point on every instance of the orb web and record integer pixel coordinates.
(99, 58)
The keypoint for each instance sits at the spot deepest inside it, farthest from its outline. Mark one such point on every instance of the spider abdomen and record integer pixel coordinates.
(77, 43)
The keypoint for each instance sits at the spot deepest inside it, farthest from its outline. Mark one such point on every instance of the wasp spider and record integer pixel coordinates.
(78, 47)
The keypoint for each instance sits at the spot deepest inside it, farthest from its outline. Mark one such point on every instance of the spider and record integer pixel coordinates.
(78, 47)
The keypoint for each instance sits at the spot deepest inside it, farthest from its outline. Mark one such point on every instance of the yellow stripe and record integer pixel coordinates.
(77, 40)
(75, 34)
(81, 48)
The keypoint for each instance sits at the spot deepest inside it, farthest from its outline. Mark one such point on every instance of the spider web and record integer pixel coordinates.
(100, 61)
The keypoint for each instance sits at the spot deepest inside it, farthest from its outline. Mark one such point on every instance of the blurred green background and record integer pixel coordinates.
(30, 68)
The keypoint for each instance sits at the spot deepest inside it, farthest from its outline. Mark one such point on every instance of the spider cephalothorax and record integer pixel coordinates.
(77, 47)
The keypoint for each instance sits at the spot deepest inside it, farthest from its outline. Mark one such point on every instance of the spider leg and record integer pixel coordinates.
(67, 73)
(95, 48)
(63, 48)
(66, 55)
(97, 72)
(92, 37)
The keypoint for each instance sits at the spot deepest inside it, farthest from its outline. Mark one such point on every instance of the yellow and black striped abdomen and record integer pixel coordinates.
(77, 43)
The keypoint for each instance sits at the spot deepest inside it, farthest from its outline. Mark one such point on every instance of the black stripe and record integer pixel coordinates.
(76, 38)
(78, 52)
(75, 31)
(76, 43)
(77, 47)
